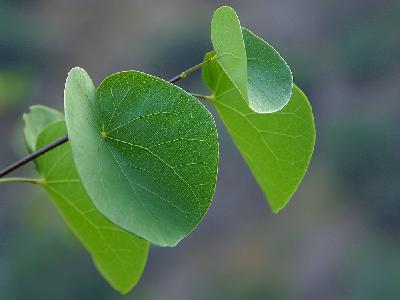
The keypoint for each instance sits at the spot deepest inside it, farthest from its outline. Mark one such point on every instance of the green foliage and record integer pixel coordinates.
(141, 164)
(119, 256)
(128, 139)
(36, 120)
(256, 70)
(227, 39)
(277, 147)
(270, 78)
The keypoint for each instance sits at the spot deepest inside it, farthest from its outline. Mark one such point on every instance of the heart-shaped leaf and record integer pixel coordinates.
(119, 255)
(146, 152)
(277, 147)
(256, 69)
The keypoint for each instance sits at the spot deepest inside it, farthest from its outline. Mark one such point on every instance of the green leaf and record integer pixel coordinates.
(227, 39)
(119, 255)
(277, 147)
(255, 68)
(270, 78)
(36, 120)
(145, 150)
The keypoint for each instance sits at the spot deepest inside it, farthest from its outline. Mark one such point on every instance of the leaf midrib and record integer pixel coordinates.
(162, 161)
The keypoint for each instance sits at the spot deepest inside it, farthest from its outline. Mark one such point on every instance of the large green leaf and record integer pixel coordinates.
(277, 147)
(36, 120)
(146, 152)
(255, 68)
(119, 255)
(227, 39)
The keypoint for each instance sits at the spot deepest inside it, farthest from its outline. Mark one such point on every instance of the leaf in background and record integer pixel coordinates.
(145, 150)
(119, 255)
(255, 68)
(227, 39)
(16, 83)
(269, 77)
(277, 147)
(36, 120)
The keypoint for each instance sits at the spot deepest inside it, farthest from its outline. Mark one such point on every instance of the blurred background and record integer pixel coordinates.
(339, 236)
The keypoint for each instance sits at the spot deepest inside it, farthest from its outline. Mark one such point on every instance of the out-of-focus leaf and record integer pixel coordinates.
(15, 85)
(36, 120)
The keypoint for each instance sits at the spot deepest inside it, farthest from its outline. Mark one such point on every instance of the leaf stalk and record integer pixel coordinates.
(187, 72)
(22, 179)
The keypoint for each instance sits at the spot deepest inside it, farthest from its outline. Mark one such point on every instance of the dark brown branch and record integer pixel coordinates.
(33, 155)
(175, 78)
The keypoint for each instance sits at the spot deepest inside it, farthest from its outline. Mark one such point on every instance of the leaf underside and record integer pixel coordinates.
(36, 120)
(257, 71)
(269, 77)
(146, 152)
(277, 146)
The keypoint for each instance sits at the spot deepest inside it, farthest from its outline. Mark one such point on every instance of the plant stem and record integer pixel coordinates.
(64, 139)
(202, 97)
(21, 179)
(175, 78)
(33, 155)
(186, 73)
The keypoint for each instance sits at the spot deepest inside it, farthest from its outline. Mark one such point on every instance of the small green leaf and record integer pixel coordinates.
(227, 39)
(270, 78)
(277, 147)
(146, 152)
(36, 120)
(255, 68)
(119, 255)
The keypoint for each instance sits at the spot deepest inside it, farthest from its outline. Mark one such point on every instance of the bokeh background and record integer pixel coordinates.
(339, 236)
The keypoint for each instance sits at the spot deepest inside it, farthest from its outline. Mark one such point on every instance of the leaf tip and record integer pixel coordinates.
(277, 209)
(224, 7)
(77, 71)
(224, 10)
